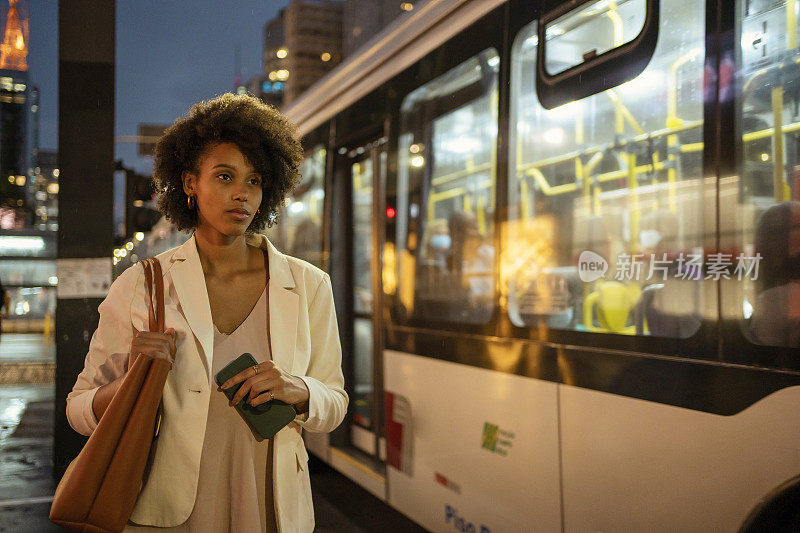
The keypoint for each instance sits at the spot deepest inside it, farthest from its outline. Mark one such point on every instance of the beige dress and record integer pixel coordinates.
(234, 490)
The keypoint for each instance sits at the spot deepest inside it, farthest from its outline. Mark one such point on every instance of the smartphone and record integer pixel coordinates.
(265, 419)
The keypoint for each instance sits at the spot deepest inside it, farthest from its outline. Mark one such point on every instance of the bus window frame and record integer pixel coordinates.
(598, 73)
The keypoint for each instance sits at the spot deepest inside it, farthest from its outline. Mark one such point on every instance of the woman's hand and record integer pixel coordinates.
(161, 345)
(154, 344)
(265, 382)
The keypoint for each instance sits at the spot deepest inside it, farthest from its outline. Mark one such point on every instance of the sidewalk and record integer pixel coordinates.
(26, 461)
(27, 358)
(26, 458)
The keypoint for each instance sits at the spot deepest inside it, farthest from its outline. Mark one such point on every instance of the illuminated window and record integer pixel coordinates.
(608, 206)
(446, 196)
(762, 208)
(302, 219)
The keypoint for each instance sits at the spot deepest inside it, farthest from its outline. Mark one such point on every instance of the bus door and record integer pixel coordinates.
(360, 173)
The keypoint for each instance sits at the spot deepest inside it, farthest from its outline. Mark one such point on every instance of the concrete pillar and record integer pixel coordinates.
(86, 48)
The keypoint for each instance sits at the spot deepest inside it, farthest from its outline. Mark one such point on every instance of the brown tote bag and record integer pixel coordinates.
(99, 488)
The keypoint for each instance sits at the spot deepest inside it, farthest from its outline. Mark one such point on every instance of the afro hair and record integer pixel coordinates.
(264, 136)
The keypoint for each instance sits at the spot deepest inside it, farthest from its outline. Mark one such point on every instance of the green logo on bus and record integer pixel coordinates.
(490, 432)
(496, 440)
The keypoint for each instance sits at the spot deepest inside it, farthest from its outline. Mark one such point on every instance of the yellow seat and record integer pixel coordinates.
(611, 304)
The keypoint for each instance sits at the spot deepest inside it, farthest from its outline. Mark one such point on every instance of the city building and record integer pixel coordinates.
(13, 118)
(45, 180)
(28, 187)
(301, 45)
(274, 59)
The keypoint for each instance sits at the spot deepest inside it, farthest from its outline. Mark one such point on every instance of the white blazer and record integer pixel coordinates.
(305, 343)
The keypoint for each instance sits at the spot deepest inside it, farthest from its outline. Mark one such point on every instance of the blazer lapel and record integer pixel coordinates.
(283, 305)
(190, 285)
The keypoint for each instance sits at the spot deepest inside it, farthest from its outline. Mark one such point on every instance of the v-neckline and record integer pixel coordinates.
(266, 287)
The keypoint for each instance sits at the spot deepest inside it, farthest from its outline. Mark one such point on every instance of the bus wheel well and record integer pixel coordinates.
(777, 512)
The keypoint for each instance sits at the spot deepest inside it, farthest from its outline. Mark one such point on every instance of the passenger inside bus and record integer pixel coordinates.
(470, 257)
(669, 306)
(306, 242)
(436, 244)
(776, 314)
(454, 273)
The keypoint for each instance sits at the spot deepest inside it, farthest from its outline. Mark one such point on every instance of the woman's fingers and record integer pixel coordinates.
(254, 386)
(243, 390)
(155, 344)
(265, 369)
(260, 391)
(172, 334)
(277, 394)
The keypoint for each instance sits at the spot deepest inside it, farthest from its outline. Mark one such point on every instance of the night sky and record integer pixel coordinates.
(170, 54)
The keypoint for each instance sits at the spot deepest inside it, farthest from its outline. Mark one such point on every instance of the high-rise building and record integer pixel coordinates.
(13, 118)
(363, 19)
(271, 89)
(46, 191)
(301, 45)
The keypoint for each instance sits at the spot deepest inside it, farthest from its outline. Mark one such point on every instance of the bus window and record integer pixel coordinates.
(362, 175)
(608, 209)
(591, 30)
(446, 194)
(304, 210)
(764, 213)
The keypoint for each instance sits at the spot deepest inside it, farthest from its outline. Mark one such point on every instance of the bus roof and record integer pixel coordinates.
(395, 48)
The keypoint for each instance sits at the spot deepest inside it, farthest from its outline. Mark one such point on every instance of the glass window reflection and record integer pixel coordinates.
(302, 218)
(765, 217)
(607, 204)
(446, 194)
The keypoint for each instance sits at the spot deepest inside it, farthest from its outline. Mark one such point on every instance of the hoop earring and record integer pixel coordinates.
(190, 202)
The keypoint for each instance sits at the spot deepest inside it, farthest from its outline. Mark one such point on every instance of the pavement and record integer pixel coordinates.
(27, 358)
(26, 454)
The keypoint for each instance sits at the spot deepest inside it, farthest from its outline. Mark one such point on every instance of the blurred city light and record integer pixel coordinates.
(21, 243)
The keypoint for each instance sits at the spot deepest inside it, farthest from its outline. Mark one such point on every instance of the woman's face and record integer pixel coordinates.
(227, 190)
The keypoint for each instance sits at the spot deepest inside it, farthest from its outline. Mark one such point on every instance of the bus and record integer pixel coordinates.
(564, 241)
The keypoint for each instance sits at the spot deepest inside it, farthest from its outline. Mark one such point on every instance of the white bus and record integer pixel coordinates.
(564, 239)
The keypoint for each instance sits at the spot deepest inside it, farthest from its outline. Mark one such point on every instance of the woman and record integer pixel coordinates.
(223, 171)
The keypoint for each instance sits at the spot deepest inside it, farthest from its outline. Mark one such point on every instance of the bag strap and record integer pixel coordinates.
(159, 279)
(155, 311)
